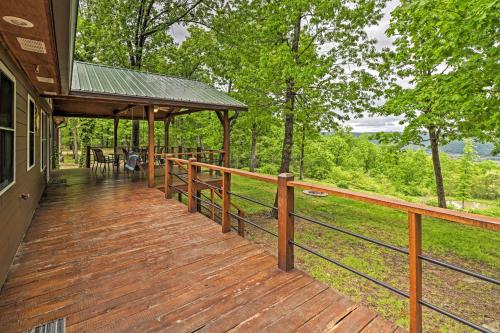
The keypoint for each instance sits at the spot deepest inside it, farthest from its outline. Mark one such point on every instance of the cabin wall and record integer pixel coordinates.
(16, 213)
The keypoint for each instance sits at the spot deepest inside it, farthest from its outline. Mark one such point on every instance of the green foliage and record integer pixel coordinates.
(85, 130)
(465, 172)
(447, 53)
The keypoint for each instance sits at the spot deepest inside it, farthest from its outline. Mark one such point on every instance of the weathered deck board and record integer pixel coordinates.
(111, 255)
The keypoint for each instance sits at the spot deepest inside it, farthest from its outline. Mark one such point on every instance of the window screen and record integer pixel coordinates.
(31, 133)
(6, 131)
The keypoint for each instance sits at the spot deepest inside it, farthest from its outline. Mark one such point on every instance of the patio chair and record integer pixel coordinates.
(101, 160)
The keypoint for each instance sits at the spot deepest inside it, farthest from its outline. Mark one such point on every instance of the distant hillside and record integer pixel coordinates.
(455, 147)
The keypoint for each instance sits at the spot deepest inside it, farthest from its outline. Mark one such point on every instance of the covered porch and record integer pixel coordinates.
(106, 263)
(105, 92)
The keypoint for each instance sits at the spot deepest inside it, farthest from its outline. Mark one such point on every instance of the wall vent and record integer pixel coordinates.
(32, 45)
(45, 79)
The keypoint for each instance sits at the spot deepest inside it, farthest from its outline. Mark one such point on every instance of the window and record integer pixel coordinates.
(43, 142)
(31, 132)
(7, 129)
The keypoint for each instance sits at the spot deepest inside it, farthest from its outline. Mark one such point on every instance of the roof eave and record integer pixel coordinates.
(65, 13)
(138, 100)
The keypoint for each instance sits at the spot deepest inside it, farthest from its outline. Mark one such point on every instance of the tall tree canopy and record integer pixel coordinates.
(448, 52)
(134, 33)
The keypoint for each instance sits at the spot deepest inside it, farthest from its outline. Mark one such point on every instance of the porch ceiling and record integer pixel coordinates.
(39, 36)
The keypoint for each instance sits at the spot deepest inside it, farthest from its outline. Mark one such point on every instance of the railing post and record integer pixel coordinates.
(168, 176)
(212, 200)
(211, 161)
(226, 202)
(241, 224)
(415, 250)
(285, 222)
(87, 157)
(191, 186)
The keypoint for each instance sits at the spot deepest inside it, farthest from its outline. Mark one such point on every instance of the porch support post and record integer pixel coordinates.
(151, 148)
(166, 123)
(115, 134)
(191, 186)
(226, 144)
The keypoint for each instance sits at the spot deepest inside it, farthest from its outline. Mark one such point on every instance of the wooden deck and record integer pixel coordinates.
(111, 255)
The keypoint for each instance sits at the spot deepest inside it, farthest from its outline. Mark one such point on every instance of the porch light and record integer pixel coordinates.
(59, 120)
(18, 22)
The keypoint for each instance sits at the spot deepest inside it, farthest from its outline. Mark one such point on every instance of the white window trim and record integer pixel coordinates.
(28, 133)
(42, 122)
(11, 76)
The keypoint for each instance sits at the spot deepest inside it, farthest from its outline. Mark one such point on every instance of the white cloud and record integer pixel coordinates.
(376, 124)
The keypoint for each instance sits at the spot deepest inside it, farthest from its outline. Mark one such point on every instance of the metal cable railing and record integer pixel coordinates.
(253, 223)
(253, 200)
(460, 269)
(371, 240)
(385, 285)
(207, 185)
(353, 270)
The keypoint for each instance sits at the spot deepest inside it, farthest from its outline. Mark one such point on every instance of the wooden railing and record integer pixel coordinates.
(211, 156)
(285, 188)
(191, 181)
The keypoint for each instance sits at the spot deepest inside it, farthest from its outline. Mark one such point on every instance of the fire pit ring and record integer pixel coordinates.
(315, 193)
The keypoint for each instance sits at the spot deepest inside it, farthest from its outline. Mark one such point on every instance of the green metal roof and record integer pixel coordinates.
(104, 80)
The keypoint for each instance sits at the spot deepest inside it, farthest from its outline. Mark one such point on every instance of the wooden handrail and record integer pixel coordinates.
(482, 221)
(178, 160)
(248, 174)
(211, 151)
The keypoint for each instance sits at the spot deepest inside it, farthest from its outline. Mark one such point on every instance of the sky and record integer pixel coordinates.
(365, 124)
(379, 123)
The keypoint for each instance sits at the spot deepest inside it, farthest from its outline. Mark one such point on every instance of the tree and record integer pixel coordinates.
(86, 127)
(133, 33)
(74, 133)
(446, 51)
(466, 171)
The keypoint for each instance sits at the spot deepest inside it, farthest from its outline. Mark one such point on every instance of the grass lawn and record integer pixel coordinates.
(468, 247)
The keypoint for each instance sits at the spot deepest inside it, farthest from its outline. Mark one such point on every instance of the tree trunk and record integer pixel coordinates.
(286, 151)
(434, 139)
(302, 144)
(74, 130)
(253, 147)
